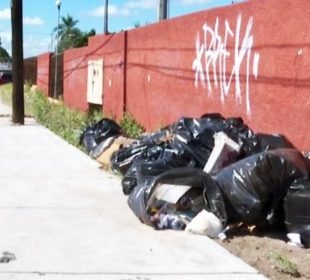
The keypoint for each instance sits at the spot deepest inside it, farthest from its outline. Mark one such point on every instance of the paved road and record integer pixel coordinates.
(64, 218)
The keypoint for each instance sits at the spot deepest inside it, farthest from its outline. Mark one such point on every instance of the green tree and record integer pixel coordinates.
(82, 40)
(4, 56)
(70, 36)
(138, 24)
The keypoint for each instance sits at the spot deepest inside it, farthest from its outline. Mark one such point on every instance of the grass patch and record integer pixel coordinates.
(6, 94)
(284, 265)
(65, 122)
(131, 128)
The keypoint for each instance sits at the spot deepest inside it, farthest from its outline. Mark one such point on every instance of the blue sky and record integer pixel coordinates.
(40, 17)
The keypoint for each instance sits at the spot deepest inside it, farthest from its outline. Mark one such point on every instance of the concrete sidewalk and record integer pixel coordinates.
(64, 218)
(5, 110)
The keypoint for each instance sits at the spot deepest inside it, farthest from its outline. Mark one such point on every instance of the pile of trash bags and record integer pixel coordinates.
(208, 175)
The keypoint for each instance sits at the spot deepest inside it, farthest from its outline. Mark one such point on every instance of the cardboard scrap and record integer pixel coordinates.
(120, 142)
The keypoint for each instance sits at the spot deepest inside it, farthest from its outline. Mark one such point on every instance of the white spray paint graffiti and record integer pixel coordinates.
(212, 55)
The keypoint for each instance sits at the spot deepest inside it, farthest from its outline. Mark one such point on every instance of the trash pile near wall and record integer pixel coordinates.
(208, 176)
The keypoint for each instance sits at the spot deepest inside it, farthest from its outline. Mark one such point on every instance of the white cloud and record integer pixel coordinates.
(6, 40)
(125, 9)
(42, 45)
(6, 37)
(5, 14)
(197, 2)
(113, 11)
(33, 21)
(142, 4)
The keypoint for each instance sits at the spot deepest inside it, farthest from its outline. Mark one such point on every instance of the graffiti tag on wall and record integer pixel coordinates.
(212, 55)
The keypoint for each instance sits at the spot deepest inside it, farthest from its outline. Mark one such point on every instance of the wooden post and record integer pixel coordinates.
(18, 110)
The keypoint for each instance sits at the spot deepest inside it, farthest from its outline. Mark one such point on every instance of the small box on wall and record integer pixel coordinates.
(95, 82)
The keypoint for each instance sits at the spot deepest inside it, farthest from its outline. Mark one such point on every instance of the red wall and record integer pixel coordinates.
(75, 78)
(163, 59)
(109, 48)
(43, 72)
(183, 66)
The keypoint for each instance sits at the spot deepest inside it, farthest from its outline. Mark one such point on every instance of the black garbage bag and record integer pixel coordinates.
(237, 130)
(305, 237)
(147, 156)
(268, 142)
(198, 148)
(158, 137)
(194, 179)
(129, 182)
(166, 159)
(142, 202)
(307, 155)
(96, 133)
(136, 202)
(253, 189)
(154, 161)
(130, 179)
(187, 129)
(212, 116)
(265, 142)
(137, 197)
(188, 142)
(106, 128)
(297, 210)
(87, 139)
(122, 160)
(196, 135)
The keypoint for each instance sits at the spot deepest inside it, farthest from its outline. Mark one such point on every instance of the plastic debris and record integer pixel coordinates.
(168, 221)
(205, 223)
(225, 152)
(294, 240)
(297, 211)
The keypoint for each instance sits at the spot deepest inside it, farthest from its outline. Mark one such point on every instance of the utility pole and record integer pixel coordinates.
(18, 62)
(106, 17)
(163, 9)
(58, 5)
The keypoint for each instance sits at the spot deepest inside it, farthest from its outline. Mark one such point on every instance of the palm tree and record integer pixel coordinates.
(70, 36)
(67, 32)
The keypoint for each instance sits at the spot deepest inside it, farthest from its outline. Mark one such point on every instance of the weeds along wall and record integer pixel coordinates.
(250, 60)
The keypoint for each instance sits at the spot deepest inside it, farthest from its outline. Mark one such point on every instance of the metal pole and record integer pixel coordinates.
(106, 7)
(57, 51)
(18, 110)
(163, 9)
(52, 43)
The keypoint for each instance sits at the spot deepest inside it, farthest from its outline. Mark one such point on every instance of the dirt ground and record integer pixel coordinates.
(271, 255)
